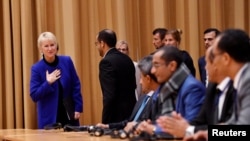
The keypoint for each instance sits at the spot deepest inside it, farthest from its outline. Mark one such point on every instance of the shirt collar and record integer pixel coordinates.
(223, 84)
(150, 93)
(107, 52)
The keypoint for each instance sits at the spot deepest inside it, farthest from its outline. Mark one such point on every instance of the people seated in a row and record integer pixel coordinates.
(177, 74)
(229, 56)
(179, 89)
(178, 106)
(216, 108)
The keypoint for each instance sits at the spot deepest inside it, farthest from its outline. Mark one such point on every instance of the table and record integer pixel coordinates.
(52, 135)
(49, 135)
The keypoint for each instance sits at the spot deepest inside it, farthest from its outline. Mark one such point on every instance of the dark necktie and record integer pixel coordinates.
(218, 94)
(143, 104)
(235, 104)
(216, 105)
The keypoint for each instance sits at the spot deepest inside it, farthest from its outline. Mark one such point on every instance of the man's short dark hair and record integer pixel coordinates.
(161, 31)
(108, 36)
(236, 43)
(217, 32)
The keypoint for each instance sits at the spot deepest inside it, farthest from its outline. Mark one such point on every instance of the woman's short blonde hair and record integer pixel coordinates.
(46, 36)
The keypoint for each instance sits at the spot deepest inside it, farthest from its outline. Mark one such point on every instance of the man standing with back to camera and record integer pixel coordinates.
(117, 79)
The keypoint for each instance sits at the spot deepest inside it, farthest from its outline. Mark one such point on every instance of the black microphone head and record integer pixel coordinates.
(69, 128)
(91, 130)
(83, 128)
(123, 134)
(98, 132)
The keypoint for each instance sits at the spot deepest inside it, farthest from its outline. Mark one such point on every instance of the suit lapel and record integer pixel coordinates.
(137, 106)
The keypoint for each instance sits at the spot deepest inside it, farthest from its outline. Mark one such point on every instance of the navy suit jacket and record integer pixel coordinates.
(118, 84)
(46, 95)
(202, 70)
(190, 98)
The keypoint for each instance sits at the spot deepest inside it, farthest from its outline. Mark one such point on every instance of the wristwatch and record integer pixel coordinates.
(189, 131)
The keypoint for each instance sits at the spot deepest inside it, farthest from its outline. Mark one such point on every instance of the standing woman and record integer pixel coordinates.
(173, 38)
(55, 86)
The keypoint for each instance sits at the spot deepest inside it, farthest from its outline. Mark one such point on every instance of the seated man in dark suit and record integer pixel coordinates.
(149, 85)
(216, 108)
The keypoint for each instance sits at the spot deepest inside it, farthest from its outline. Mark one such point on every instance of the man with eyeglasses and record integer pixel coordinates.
(217, 106)
(179, 91)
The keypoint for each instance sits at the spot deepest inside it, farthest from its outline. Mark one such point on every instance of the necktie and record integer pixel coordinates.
(216, 105)
(218, 94)
(143, 104)
(235, 104)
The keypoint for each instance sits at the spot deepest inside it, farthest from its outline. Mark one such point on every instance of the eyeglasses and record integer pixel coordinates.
(157, 65)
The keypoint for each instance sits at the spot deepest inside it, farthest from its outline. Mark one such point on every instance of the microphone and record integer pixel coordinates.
(69, 128)
(53, 126)
(95, 131)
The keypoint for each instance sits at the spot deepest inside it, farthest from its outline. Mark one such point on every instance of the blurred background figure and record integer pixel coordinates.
(158, 37)
(122, 46)
(173, 38)
(209, 37)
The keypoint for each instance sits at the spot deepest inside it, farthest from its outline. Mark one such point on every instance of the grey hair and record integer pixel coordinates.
(145, 65)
